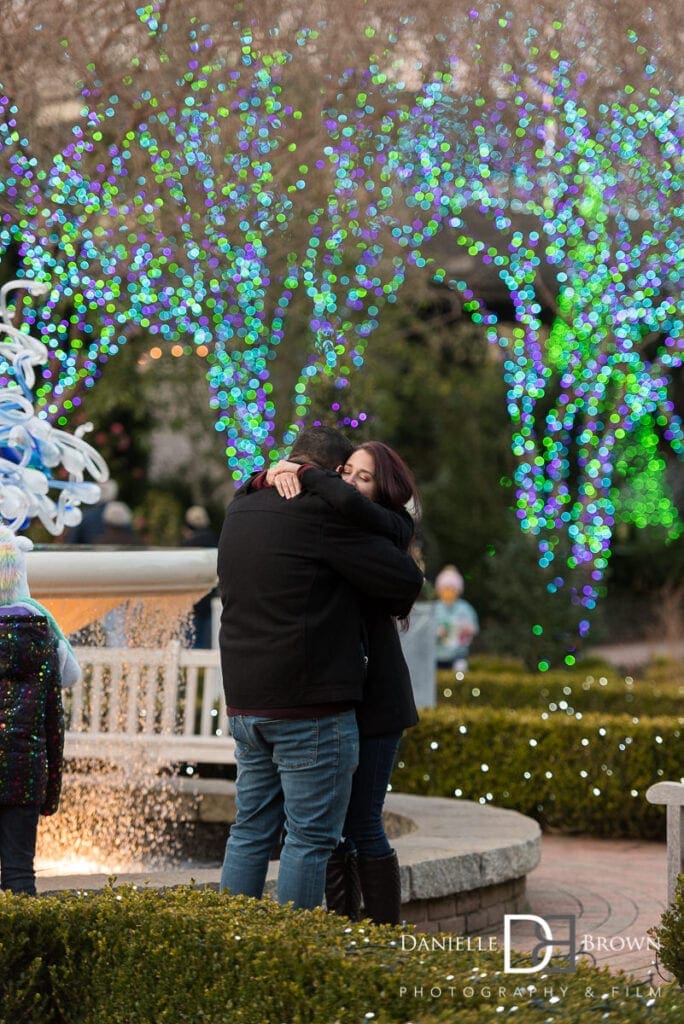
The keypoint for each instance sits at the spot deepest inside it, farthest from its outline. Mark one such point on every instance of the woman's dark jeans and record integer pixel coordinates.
(363, 827)
(18, 830)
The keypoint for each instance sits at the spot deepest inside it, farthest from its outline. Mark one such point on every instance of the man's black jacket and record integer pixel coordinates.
(388, 705)
(291, 578)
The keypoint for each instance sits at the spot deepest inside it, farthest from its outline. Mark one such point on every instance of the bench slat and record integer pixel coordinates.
(96, 685)
(113, 696)
(169, 689)
(132, 713)
(189, 705)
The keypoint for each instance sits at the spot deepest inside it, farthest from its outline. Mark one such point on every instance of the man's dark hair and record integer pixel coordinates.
(324, 446)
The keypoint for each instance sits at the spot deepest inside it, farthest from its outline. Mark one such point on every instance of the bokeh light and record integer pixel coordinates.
(207, 246)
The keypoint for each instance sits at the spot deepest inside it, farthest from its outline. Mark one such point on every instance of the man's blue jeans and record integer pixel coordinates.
(296, 774)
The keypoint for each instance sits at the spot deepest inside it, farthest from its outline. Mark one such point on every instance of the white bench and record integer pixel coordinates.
(672, 795)
(165, 704)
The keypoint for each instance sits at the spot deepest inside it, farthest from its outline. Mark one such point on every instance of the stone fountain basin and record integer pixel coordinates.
(79, 584)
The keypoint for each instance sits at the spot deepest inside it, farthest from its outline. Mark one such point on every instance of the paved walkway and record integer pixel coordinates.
(615, 889)
(638, 654)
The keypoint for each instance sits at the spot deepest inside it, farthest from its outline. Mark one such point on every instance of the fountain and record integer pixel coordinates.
(123, 809)
(80, 584)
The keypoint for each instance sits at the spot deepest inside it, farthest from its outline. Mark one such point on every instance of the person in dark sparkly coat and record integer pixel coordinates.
(31, 722)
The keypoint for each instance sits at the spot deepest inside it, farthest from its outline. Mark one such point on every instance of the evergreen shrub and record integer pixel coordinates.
(596, 690)
(577, 774)
(192, 956)
(670, 935)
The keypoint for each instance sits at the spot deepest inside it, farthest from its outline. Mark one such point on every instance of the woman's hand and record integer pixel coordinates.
(283, 476)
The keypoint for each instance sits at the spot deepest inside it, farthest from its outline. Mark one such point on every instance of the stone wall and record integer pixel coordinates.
(468, 913)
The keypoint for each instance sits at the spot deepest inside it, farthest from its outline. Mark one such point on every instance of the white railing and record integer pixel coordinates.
(166, 703)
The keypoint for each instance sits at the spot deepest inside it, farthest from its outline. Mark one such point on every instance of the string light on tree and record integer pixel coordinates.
(209, 223)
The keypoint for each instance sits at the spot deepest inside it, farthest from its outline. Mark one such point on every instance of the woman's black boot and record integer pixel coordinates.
(381, 888)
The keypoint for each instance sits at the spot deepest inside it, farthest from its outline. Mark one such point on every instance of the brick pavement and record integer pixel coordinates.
(616, 890)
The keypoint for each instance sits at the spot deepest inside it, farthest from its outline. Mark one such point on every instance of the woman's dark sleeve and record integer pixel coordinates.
(256, 482)
(357, 508)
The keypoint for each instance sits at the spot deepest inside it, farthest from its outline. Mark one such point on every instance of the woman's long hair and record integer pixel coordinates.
(395, 483)
(395, 487)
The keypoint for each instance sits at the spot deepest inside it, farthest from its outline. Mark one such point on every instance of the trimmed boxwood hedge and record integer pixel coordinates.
(189, 956)
(660, 692)
(586, 774)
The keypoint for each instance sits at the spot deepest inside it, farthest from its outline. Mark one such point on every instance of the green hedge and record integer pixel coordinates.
(581, 691)
(664, 670)
(670, 934)
(192, 956)
(587, 774)
(660, 666)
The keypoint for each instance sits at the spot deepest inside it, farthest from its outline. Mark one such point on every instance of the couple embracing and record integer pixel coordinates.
(314, 574)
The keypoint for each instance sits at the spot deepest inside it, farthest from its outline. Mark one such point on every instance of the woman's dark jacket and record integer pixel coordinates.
(388, 705)
(31, 715)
